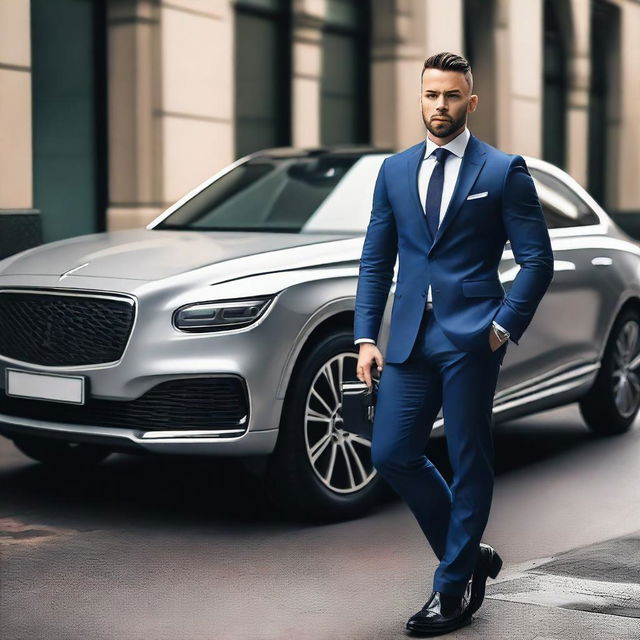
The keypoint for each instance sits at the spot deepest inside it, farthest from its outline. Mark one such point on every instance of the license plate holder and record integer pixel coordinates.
(45, 386)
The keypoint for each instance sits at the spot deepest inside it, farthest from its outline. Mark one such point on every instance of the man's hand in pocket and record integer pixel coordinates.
(494, 341)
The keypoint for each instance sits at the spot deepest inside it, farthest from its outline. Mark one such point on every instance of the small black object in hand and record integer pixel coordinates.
(358, 406)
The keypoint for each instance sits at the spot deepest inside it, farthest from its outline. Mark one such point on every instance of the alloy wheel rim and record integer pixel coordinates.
(626, 360)
(340, 459)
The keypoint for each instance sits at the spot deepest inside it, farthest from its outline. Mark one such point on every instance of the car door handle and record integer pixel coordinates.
(604, 261)
(564, 265)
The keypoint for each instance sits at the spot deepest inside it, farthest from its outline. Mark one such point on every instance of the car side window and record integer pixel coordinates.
(562, 207)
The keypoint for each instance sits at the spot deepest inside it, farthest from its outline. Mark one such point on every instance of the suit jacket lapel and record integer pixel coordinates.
(414, 162)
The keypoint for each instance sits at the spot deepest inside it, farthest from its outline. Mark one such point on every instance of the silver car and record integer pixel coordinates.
(225, 327)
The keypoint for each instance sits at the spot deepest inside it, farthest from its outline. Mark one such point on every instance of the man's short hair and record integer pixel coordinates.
(448, 61)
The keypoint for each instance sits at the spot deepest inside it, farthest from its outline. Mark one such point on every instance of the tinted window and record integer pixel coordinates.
(321, 193)
(562, 207)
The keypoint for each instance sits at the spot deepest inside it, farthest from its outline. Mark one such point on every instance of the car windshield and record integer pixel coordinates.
(327, 193)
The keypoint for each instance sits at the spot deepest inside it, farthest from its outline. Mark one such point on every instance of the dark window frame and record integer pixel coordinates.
(554, 150)
(101, 111)
(362, 36)
(282, 19)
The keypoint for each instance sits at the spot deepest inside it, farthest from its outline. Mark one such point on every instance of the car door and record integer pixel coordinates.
(563, 333)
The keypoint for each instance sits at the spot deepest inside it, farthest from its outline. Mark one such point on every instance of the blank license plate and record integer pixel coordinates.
(45, 386)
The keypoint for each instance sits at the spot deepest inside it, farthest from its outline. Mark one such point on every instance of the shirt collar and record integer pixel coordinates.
(456, 146)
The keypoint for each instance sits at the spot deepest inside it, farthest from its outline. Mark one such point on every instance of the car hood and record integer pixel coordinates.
(148, 254)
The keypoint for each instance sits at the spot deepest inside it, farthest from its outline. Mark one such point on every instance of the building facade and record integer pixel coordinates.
(110, 110)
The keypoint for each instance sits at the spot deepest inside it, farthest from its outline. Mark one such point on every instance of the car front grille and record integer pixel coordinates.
(59, 329)
(216, 402)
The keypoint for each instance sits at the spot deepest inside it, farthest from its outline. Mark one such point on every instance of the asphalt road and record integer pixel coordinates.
(155, 548)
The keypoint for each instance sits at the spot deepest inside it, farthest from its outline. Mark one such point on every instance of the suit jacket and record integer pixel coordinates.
(461, 262)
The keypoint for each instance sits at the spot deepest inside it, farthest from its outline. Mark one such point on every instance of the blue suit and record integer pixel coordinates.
(442, 357)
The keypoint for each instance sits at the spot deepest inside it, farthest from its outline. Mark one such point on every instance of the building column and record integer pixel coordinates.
(170, 102)
(578, 98)
(481, 52)
(308, 17)
(134, 141)
(16, 186)
(19, 223)
(625, 142)
(405, 33)
(444, 26)
(519, 56)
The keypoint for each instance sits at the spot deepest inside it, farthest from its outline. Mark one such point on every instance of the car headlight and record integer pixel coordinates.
(220, 316)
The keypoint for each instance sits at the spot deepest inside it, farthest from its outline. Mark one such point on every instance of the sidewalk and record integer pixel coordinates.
(589, 592)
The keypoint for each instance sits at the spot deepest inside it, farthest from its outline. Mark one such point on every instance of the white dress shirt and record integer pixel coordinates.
(457, 147)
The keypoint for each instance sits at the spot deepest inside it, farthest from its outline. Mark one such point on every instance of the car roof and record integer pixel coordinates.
(366, 149)
(307, 152)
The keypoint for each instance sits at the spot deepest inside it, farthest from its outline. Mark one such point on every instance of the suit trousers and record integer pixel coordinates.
(410, 394)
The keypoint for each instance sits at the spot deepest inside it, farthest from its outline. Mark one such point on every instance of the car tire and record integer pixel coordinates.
(294, 482)
(611, 405)
(60, 453)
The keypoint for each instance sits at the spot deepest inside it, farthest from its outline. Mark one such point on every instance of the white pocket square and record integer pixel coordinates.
(482, 194)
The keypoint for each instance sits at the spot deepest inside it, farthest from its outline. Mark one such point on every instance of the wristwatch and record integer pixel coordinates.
(501, 333)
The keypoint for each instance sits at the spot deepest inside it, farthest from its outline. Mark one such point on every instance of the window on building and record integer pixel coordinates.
(69, 84)
(554, 104)
(262, 75)
(604, 96)
(344, 92)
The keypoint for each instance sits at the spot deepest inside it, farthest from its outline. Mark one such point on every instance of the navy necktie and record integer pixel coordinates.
(434, 191)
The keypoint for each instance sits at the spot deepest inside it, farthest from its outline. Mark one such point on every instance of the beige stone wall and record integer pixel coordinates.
(171, 91)
(196, 110)
(171, 102)
(522, 130)
(307, 67)
(624, 179)
(16, 179)
(578, 100)
(405, 32)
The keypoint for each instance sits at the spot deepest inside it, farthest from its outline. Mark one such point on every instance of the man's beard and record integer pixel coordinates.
(444, 128)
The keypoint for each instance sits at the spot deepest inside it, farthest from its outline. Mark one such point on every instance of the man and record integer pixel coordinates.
(446, 206)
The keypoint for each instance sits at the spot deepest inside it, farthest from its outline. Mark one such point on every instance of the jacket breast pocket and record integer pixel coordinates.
(482, 289)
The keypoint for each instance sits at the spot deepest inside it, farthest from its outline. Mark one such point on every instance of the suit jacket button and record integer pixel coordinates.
(423, 294)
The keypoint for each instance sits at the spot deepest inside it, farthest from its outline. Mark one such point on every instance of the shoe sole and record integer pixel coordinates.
(495, 564)
(437, 630)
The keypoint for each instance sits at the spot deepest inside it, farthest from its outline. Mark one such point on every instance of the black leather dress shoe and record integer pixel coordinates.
(489, 563)
(441, 614)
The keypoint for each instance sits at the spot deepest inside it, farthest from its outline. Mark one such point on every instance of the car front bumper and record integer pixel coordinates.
(139, 441)
(257, 355)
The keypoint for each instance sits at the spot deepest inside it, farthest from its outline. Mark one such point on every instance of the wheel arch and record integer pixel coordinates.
(339, 317)
(597, 405)
(631, 302)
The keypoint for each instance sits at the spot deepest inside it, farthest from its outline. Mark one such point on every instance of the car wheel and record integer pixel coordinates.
(60, 453)
(318, 470)
(612, 403)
